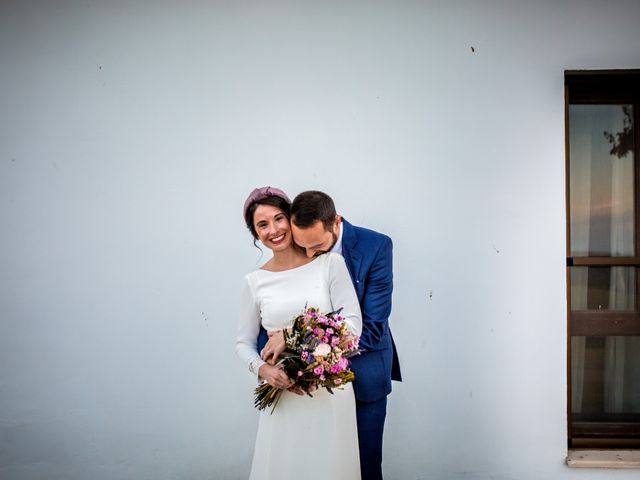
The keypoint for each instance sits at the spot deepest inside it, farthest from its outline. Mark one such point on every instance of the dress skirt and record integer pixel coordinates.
(314, 438)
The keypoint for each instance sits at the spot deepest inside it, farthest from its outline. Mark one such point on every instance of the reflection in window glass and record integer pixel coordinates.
(601, 180)
(605, 384)
(603, 288)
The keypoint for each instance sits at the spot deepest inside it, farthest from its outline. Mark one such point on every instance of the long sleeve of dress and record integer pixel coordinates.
(342, 293)
(248, 328)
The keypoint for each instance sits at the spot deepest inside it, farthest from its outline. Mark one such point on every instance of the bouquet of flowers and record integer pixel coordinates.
(317, 349)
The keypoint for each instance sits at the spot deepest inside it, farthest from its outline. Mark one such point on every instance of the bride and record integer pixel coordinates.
(305, 437)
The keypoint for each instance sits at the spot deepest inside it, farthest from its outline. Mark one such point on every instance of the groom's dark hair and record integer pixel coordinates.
(309, 207)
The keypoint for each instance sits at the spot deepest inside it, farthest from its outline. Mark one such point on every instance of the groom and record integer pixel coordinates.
(318, 229)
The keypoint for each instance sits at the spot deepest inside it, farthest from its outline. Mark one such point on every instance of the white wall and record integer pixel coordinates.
(130, 134)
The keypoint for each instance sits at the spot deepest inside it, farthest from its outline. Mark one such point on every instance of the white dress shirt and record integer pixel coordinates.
(337, 248)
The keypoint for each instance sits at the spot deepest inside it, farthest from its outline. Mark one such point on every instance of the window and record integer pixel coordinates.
(603, 258)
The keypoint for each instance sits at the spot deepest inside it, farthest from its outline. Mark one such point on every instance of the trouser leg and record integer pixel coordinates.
(371, 417)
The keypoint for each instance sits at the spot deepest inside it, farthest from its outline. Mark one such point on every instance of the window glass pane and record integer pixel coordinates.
(601, 180)
(605, 378)
(603, 288)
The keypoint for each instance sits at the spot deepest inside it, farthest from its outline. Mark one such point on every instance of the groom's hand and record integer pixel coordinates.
(274, 347)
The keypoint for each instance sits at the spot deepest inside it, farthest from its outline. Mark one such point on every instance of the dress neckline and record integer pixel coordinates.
(291, 269)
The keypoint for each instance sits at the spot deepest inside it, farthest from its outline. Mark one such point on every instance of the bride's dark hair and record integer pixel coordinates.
(274, 201)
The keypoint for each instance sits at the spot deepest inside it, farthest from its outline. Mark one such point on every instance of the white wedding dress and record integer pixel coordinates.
(310, 438)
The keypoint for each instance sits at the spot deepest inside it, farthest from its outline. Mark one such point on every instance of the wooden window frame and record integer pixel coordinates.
(602, 87)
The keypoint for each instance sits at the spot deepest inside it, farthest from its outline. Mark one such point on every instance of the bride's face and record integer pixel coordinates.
(272, 227)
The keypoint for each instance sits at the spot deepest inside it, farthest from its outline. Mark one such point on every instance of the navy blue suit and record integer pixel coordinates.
(368, 256)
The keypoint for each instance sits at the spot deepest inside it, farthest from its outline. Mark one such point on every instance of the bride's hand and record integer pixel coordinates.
(274, 376)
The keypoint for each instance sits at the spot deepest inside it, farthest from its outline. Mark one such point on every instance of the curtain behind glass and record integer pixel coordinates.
(602, 224)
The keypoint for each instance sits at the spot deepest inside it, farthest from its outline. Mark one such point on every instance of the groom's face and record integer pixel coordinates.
(316, 239)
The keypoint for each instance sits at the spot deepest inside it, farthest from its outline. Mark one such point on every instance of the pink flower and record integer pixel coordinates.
(300, 373)
(304, 355)
(338, 381)
(335, 369)
(329, 331)
(335, 341)
(322, 377)
(319, 370)
(325, 340)
(318, 332)
(343, 363)
(340, 366)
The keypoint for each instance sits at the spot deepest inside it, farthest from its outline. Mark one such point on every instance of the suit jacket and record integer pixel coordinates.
(368, 256)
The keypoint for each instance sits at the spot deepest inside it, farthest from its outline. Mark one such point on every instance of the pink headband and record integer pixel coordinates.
(261, 193)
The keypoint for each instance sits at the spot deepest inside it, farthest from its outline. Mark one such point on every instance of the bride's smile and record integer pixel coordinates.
(277, 240)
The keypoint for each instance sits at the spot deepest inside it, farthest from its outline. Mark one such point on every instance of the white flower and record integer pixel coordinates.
(322, 350)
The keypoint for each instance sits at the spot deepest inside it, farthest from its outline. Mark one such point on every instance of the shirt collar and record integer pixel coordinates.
(337, 248)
